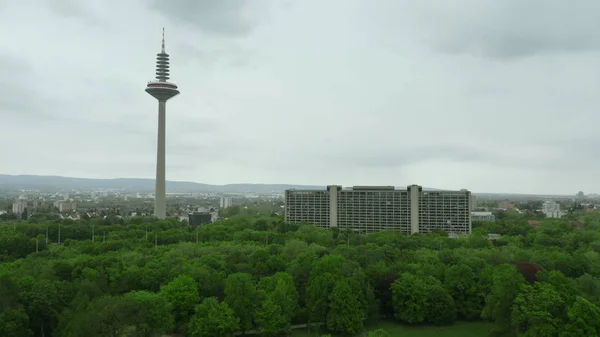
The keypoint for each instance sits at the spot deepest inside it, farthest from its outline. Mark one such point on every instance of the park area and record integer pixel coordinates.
(462, 329)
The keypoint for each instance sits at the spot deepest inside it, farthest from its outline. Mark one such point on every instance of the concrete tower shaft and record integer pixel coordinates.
(162, 91)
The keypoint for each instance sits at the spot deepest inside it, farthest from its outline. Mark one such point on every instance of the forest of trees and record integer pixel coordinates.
(260, 275)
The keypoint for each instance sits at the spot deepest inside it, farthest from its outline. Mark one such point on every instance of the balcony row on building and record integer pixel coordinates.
(369, 209)
(483, 216)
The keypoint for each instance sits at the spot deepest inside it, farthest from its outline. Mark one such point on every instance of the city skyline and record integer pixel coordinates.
(381, 93)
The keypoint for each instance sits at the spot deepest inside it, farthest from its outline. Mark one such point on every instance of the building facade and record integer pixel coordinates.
(551, 209)
(483, 216)
(199, 218)
(203, 216)
(226, 202)
(19, 206)
(374, 208)
(65, 205)
(473, 202)
(505, 204)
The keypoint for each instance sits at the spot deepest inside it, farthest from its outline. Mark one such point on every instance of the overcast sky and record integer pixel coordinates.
(493, 96)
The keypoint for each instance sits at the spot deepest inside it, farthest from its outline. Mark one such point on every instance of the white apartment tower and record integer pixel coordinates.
(18, 207)
(67, 205)
(551, 209)
(226, 202)
(375, 208)
(473, 202)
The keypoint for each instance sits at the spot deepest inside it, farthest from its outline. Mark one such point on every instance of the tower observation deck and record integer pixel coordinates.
(160, 88)
(162, 91)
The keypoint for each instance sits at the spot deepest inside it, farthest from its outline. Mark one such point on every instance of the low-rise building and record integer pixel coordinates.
(483, 216)
(203, 216)
(65, 205)
(505, 204)
(199, 218)
(493, 236)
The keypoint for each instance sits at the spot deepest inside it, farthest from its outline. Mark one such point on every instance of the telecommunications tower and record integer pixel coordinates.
(162, 91)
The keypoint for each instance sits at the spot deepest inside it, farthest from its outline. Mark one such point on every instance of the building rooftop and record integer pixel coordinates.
(355, 188)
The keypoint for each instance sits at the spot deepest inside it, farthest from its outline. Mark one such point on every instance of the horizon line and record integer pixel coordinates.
(296, 184)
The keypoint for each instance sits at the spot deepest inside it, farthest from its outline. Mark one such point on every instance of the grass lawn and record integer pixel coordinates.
(459, 329)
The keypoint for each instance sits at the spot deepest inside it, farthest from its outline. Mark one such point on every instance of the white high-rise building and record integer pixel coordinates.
(19, 206)
(226, 202)
(473, 202)
(551, 209)
(375, 208)
(65, 205)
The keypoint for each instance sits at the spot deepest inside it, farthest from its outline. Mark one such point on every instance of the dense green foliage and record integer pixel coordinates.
(213, 319)
(145, 277)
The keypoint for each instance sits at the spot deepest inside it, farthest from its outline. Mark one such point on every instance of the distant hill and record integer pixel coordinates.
(520, 197)
(57, 183)
(52, 183)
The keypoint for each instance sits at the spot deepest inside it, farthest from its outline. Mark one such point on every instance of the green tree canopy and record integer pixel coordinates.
(346, 312)
(213, 319)
(243, 298)
(182, 295)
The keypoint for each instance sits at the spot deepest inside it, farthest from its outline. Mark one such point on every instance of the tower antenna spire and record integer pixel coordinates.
(163, 41)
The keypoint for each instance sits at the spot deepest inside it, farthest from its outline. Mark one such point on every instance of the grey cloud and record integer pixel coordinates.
(192, 149)
(512, 29)
(16, 97)
(551, 156)
(20, 98)
(12, 103)
(573, 153)
(73, 9)
(202, 146)
(221, 17)
(173, 168)
(196, 153)
(233, 56)
(118, 89)
(195, 125)
(67, 7)
(13, 99)
(402, 157)
(13, 67)
(121, 126)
